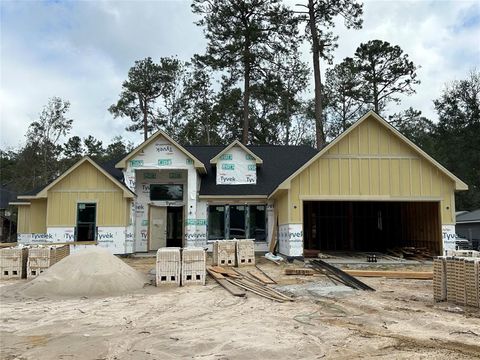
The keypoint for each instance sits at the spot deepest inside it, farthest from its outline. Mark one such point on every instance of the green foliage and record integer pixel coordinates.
(386, 72)
(457, 136)
(147, 82)
(244, 37)
(343, 90)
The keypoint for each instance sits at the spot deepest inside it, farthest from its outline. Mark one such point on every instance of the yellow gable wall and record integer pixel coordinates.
(371, 162)
(23, 225)
(86, 184)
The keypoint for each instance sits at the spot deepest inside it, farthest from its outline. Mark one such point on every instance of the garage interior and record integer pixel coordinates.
(371, 226)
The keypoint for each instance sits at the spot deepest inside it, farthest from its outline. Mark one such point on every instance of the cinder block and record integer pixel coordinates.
(168, 266)
(193, 266)
(42, 257)
(224, 252)
(13, 263)
(439, 279)
(245, 252)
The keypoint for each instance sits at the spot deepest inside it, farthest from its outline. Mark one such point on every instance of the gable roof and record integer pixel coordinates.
(459, 184)
(122, 164)
(273, 171)
(469, 217)
(215, 159)
(42, 191)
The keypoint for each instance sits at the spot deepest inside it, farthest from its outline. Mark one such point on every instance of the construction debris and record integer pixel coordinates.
(411, 253)
(303, 271)
(222, 281)
(339, 275)
(249, 283)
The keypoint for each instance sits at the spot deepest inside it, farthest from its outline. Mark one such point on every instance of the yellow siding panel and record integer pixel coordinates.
(345, 176)
(364, 177)
(294, 199)
(23, 222)
(404, 177)
(334, 176)
(363, 138)
(38, 216)
(282, 208)
(314, 179)
(355, 177)
(416, 178)
(374, 177)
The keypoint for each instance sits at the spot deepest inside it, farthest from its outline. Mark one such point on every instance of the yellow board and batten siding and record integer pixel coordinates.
(86, 184)
(369, 163)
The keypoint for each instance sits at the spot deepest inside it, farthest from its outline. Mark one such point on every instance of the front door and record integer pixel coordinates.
(158, 227)
(174, 226)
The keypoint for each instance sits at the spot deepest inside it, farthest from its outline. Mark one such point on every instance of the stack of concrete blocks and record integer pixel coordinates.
(40, 258)
(451, 279)
(194, 261)
(457, 280)
(224, 252)
(245, 252)
(13, 263)
(460, 293)
(168, 266)
(472, 282)
(439, 279)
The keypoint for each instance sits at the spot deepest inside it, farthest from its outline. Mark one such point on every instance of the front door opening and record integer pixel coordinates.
(158, 228)
(174, 226)
(86, 229)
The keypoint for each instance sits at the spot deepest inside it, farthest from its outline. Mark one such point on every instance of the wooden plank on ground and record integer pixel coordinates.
(222, 281)
(224, 271)
(304, 271)
(420, 275)
(262, 278)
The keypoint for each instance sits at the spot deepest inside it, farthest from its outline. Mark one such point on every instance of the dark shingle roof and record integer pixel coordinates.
(469, 216)
(6, 196)
(279, 162)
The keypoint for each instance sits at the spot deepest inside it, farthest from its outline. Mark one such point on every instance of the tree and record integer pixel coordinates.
(244, 36)
(416, 127)
(93, 147)
(147, 81)
(44, 134)
(198, 101)
(343, 90)
(457, 137)
(386, 72)
(117, 149)
(320, 16)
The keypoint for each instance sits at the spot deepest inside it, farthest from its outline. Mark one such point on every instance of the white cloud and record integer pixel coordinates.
(82, 51)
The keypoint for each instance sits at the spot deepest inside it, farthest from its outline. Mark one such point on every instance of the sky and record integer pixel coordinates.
(81, 51)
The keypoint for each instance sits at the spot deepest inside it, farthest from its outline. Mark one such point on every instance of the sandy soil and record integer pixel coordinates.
(398, 321)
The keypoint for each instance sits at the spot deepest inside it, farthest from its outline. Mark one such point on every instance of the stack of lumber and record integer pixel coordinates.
(193, 266)
(457, 280)
(341, 276)
(42, 257)
(13, 263)
(420, 275)
(411, 253)
(301, 271)
(224, 252)
(245, 252)
(238, 283)
(168, 266)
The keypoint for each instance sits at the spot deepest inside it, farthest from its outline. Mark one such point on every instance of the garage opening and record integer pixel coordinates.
(371, 225)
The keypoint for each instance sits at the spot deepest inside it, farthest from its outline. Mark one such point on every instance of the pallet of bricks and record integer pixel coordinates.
(245, 252)
(456, 278)
(13, 263)
(193, 266)
(41, 257)
(224, 252)
(168, 266)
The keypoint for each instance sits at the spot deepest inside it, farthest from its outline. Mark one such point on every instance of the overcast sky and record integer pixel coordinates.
(81, 51)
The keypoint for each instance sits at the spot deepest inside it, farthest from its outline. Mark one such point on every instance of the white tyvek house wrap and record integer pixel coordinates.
(236, 167)
(290, 239)
(161, 162)
(448, 237)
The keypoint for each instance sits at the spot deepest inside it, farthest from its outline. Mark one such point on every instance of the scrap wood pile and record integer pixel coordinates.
(338, 275)
(237, 283)
(411, 253)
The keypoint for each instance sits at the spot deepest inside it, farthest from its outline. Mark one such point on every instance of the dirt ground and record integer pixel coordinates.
(398, 321)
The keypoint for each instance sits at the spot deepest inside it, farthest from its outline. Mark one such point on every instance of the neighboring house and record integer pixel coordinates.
(468, 226)
(8, 224)
(369, 190)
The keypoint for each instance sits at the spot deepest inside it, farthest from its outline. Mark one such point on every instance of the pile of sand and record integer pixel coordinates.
(90, 272)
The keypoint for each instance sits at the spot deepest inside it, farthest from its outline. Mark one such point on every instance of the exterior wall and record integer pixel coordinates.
(86, 184)
(236, 167)
(38, 210)
(370, 163)
(23, 224)
(163, 159)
